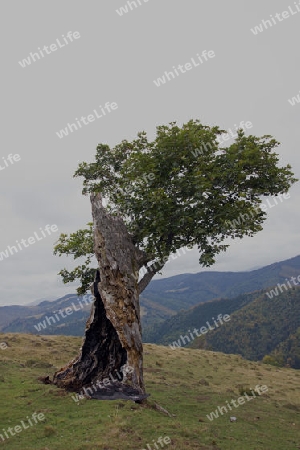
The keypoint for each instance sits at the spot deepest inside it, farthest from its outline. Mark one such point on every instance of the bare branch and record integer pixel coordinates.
(151, 271)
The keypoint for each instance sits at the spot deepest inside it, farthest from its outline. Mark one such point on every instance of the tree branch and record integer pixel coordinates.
(151, 271)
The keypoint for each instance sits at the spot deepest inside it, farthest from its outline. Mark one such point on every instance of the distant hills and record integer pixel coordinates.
(66, 316)
(186, 290)
(259, 325)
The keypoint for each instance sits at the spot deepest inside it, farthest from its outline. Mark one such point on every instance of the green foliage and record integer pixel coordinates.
(287, 353)
(78, 244)
(182, 189)
(268, 359)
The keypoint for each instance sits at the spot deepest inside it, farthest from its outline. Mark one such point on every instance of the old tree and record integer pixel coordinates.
(148, 200)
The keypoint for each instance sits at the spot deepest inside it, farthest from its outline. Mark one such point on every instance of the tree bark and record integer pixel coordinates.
(113, 338)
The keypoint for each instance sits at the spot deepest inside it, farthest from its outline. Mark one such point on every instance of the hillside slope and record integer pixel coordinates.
(189, 384)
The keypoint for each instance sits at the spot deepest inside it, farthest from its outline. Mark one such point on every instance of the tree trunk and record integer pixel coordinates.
(113, 341)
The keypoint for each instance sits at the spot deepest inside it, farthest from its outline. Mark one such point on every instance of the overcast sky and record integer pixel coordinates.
(110, 57)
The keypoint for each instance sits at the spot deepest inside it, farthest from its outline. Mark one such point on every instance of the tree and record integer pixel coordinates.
(181, 189)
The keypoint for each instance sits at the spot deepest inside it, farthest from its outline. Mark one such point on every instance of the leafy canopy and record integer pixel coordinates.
(181, 189)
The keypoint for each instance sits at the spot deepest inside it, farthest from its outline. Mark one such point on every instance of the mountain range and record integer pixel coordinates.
(172, 306)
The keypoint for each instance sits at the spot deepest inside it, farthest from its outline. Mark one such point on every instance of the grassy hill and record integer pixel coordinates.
(189, 384)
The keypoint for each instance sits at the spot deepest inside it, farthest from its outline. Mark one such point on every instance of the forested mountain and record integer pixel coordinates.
(197, 316)
(262, 327)
(287, 353)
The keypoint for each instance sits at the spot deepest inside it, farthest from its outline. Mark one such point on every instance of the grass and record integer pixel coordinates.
(188, 383)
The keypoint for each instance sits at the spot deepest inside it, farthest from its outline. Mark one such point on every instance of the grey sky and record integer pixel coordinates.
(116, 59)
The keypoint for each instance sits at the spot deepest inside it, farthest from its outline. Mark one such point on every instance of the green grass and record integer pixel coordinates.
(188, 383)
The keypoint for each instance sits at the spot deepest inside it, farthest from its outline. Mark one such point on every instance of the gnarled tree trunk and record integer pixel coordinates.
(113, 340)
